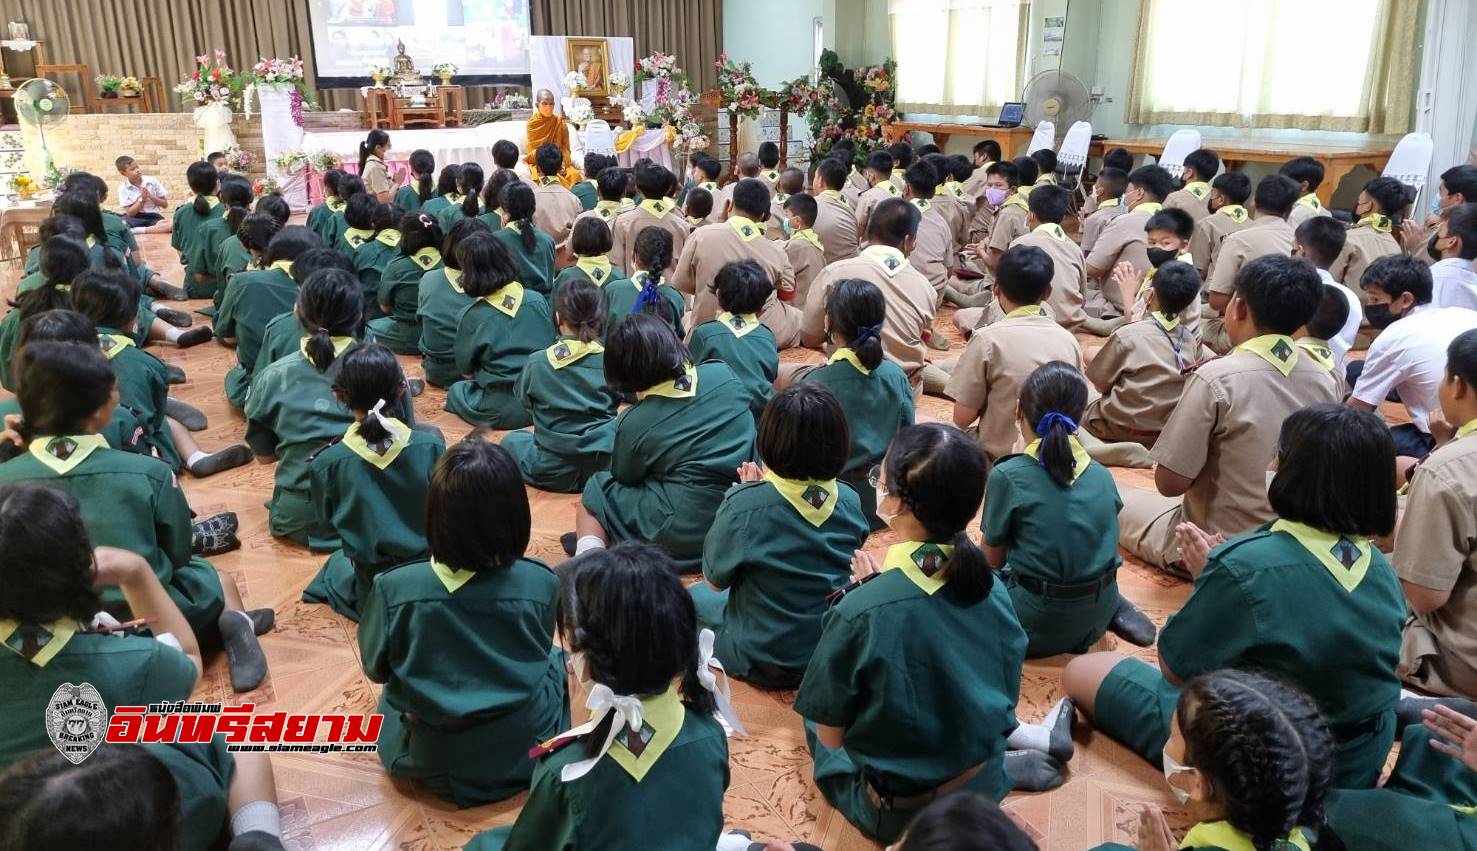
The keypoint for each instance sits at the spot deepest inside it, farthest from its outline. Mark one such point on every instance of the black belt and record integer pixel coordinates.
(1056, 591)
(1343, 733)
(917, 802)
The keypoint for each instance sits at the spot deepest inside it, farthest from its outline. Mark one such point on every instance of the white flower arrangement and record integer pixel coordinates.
(574, 81)
(618, 81)
(445, 69)
(292, 161)
(514, 101)
(634, 114)
(580, 114)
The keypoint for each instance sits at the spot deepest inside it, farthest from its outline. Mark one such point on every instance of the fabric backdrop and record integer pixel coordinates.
(160, 38)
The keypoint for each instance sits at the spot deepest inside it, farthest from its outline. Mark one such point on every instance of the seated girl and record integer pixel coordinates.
(591, 245)
(631, 630)
(448, 192)
(62, 260)
(440, 301)
(874, 392)
(237, 256)
(399, 287)
(1334, 490)
(349, 185)
(284, 333)
(370, 485)
(202, 262)
(462, 722)
(203, 180)
(255, 298)
(469, 189)
(372, 257)
(410, 197)
(676, 451)
(492, 212)
(127, 500)
(563, 390)
(736, 336)
(320, 218)
(505, 323)
(653, 253)
(531, 249)
(964, 821)
(782, 541)
(359, 224)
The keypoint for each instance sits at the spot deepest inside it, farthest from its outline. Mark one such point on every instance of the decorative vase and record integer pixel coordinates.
(214, 121)
(379, 80)
(110, 93)
(445, 79)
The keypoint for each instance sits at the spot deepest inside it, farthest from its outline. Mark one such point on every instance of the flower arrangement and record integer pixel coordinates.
(211, 82)
(739, 90)
(574, 81)
(283, 72)
(634, 114)
(798, 95)
(238, 159)
(580, 113)
(265, 186)
(672, 99)
(324, 160)
(872, 94)
(23, 185)
(130, 87)
(378, 71)
(445, 70)
(292, 161)
(512, 100)
(658, 66)
(108, 85)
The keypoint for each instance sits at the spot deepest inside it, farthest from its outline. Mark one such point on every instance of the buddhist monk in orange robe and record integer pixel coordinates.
(546, 127)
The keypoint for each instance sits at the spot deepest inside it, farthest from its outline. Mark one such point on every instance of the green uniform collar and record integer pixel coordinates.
(815, 500)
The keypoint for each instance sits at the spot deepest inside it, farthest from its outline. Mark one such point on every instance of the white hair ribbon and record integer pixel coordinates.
(706, 665)
(378, 413)
(602, 702)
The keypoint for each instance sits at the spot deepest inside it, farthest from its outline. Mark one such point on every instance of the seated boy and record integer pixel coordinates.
(880, 187)
(1122, 241)
(1212, 456)
(1313, 338)
(1229, 193)
(933, 253)
(555, 206)
(1140, 369)
(1167, 237)
(705, 172)
(769, 164)
(1372, 235)
(1268, 234)
(1007, 209)
(1319, 239)
(902, 156)
(699, 207)
(803, 247)
(791, 181)
(143, 199)
(1010, 218)
(1200, 167)
(985, 383)
(1454, 246)
(835, 220)
(1045, 160)
(1307, 173)
(986, 152)
(1107, 205)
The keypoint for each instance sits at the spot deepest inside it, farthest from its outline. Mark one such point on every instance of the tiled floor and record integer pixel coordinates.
(347, 801)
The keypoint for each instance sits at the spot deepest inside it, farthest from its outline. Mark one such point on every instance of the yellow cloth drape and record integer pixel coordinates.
(627, 138)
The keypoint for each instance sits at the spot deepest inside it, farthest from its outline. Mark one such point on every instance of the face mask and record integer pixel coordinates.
(1436, 205)
(995, 196)
(1159, 256)
(1431, 247)
(789, 230)
(546, 109)
(1379, 315)
(884, 516)
(1172, 767)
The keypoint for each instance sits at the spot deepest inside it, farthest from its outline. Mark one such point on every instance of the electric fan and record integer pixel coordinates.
(42, 103)
(1058, 97)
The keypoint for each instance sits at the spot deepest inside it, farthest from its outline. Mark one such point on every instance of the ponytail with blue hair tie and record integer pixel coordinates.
(867, 332)
(650, 295)
(1043, 428)
(1055, 453)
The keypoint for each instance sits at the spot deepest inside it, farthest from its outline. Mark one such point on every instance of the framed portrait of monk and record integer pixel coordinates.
(591, 58)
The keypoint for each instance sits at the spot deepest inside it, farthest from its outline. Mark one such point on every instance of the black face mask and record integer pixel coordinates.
(1379, 315)
(1431, 246)
(1159, 256)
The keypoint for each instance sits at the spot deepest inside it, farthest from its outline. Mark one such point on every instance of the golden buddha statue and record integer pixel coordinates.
(403, 68)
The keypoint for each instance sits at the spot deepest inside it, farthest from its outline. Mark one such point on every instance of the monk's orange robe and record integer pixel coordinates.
(543, 129)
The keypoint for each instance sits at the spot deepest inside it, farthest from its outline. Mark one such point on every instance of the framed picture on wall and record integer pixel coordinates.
(591, 58)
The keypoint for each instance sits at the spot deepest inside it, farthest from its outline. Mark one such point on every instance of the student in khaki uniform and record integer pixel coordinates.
(1334, 491)
(1458, 187)
(467, 744)
(909, 297)
(633, 633)
(440, 301)
(947, 198)
(984, 153)
(1045, 160)
(1010, 219)
(1269, 234)
(611, 185)
(1307, 173)
(563, 389)
(1123, 239)
(985, 383)
(372, 168)
(704, 173)
(697, 207)
(844, 152)
(1107, 194)
(655, 210)
(369, 485)
(902, 158)
(676, 451)
(1373, 233)
(1000, 202)
(835, 221)
(933, 252)
(1200, 168)
(447, 192)
(782, 541)
(1319, 240)
(747, 168)
(878, 172)
(1167, 235)
(253, 299)
(739, 237)
(1048, 209)
(419, 252)
(1313, 338)
(803, 247)
(736, 336)
(1216, 446)
(557, 207)
(769, 165)
(791, 182)
(1229, 193)
(646, 291)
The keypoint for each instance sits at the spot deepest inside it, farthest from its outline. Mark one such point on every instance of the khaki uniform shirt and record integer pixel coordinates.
(911, 304)
(630, 224)
(1094, 222)
(1069, 276)
(835, 224)
(1263, 236)
(1362, 246)
(807, 260)
(869, 199)
(710, 248)
(1306, 208)
(982, 222)
(555, 208)
(1210, 233)
(997, 362)
(974, 187)
(933, 247)
(1191, 199)
(376, 177)
(1138, 371)
(1122, 240)
(1010, 225)
(957, 211)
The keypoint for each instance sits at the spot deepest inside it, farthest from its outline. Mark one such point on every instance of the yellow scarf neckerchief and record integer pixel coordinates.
(1168, 323)
(452, 578)
(850, 357)
(657, 207)
(888, 187)
(708, 186)
(662, 717)
(426, 258)
(62, 453)
(1466, 429)
(890, 259)
(113, 344)
(740, 324)
(638, 279)
(508, 299)
(1052, 230)
(339, 345)
(1346, 558)
(1080, 458)
(548, 181)
(1234, 212)
(1221, 834)
(780, 198)
(1279, 350)
(596, 268)
(900, 174)
(569, 350)
(283, 266)
(1310, 200)
(808, 235)
(388, 236)
(383, 453)
(1045, 180)
(37, 643)
(454, 277)
(1378, 221)
(1198, 188)
(1108, 203)
(455, 199)
(334, 205)
(697, 221)
(747, 229)
(356, 237)
(954, 188)
(1148, 208)
(920, 562)
(682, 387)
(833, 194)
(770, 175)
(1319, 351)
(923, 204)
(1026, 310)
(607, 210)
(815, 500)
(1017, 200)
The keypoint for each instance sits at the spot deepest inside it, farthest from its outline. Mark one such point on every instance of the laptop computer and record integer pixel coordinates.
(1010, 115)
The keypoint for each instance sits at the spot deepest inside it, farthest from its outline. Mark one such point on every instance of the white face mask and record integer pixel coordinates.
(884, 516)
(581, 667)
(1172, 767)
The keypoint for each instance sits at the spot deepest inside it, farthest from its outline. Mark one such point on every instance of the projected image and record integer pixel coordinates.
(485, 39)
(371, 12)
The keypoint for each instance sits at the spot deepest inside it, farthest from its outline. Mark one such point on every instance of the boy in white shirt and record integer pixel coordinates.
(1320, 240)
(1453, 279)
(143, 199)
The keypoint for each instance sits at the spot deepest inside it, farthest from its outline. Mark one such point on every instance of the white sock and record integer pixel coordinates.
(1035, 737)
(586, 543)
(196, 457)
(734, 842)
(172, 333)
(257, 815)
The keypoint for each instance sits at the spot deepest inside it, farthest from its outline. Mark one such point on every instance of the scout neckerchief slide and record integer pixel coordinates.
(1279, 350)
(382, 453)
(596, 268)
(739, 324)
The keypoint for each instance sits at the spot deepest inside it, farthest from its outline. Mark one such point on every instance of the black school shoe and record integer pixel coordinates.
(568, 541)
(177, 318)
(173, 374)
(1132, 625)
(213, 542)
(166, 291)
(194, 337)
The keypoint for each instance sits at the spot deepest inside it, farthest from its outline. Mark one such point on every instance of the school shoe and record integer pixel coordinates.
(1033, 771)
(416, 386)
(213, 542)
(218, 462)
(194, 337)
(1132, 625)
(189, 416)
(1408, 710)
(226, 521)
(173, 374)
(177, 318)
(167, 291)
(568, 541)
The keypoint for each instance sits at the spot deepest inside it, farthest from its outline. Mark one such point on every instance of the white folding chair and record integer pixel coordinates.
(599, 138)
(1044, 137)
(1410, 161)
(1179, 146)
(1071, 157)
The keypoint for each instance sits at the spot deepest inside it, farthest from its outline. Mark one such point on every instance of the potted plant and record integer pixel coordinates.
(324, 160)
(378, 72)
(130, 87)
(108, 85)
(445, 70)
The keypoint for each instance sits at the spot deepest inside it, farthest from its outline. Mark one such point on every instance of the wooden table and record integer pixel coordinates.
(1010, 138)
(1338, 159)
(20, 228)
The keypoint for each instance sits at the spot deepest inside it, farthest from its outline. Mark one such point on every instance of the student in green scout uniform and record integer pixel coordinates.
(504, 324)
(399, 284)
(676, 451)
(588, 190)
(359, 224)
(736, 336)
(782, 541)
(1051, 525)
(463, 703)
(202, 261)
(912, 689)
(591, 242)
(320, 218)
(645, 290)
(120, 236)
(203, 180)
(373, 256)
(531, 248)
(1251, 760)
(284, 333)
(874, 392)
(440, 301)
(51, 634)
(465, 204)
(349, 185)
(410, 197)
(492, 214)
(128, 501)
(292, 411)
(236, 256)
(447, 191)
(255, 298)
(370, 484)
(1334, 490)
(63, 259)
(633, 636)
(563, 390)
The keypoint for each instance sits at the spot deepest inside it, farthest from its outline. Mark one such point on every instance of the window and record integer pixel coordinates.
(1342, 65)
(958, 57)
